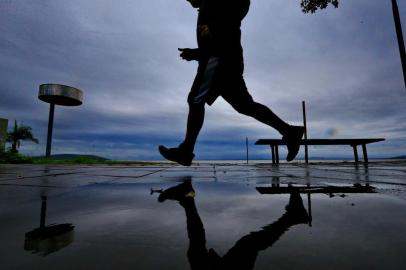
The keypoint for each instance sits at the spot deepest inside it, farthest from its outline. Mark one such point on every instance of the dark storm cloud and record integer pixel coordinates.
(344, 62)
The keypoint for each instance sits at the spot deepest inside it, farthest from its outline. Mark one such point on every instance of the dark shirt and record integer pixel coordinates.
(223, 17)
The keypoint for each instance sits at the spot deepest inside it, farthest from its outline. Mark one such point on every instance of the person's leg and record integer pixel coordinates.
(183, 154)
(245, 251)
(199, 95)
(264, 115)
(242, 102)
(194, 125)
(184, 193)
(237, 95)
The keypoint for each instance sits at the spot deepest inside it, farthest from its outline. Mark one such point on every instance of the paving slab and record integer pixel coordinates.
(255, 216)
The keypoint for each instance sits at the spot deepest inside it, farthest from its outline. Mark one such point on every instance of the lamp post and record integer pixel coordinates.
(399, 34)
(58, 94)
(47, 239)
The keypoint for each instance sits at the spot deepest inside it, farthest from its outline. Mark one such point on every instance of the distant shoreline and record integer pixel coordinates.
(74, 159)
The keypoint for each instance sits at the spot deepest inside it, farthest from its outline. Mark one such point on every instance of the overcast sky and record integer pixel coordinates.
(343, 62)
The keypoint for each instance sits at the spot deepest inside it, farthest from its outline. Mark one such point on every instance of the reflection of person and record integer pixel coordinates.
(220, 73)
(244, 253)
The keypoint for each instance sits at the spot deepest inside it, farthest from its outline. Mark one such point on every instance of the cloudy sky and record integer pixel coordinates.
(123, 54)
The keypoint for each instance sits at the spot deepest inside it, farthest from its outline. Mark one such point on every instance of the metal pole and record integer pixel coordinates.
(305, 133)
(246, 146)
(399, 34)
(50, 127)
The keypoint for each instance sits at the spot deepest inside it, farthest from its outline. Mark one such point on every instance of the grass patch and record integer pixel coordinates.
(89, 161)
(75, 160)
(10, 157)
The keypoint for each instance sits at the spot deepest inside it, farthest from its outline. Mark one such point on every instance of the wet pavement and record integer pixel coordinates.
(211, 216)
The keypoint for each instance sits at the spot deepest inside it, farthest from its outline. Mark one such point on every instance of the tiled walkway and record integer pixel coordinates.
(103, 217)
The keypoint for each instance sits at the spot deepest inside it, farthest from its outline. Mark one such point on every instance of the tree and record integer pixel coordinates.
(20, 133)
(313, 5)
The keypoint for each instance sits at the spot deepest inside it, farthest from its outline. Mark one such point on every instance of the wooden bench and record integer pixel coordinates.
(274, 143)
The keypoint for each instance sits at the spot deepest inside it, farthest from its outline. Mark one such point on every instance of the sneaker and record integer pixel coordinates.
(292, 140)
(178, 193)
(177, 155)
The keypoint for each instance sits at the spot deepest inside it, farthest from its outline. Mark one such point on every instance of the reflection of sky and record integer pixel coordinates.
(344, 62)
(124, 226)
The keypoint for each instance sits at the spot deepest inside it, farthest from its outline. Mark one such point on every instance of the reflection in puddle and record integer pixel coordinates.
(47, 239)
(233, 223)
(244, 253)
(331, 191)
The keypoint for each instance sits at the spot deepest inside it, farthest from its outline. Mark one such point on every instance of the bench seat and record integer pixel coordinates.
(274, 143)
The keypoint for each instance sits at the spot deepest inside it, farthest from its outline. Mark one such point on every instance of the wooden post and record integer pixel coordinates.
(305, 132)
(399, 34)
(246, 146)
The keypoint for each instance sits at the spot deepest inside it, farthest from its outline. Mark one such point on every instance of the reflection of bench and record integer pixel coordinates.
(331, 191)
(357, 188)
(274, 143)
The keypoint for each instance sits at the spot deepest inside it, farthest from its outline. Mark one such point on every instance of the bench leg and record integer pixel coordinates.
(273, 154)
(355, 153)
(277, 154)
(364, 151)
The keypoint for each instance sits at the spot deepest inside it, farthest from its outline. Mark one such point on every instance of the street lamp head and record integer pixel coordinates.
(60, 94)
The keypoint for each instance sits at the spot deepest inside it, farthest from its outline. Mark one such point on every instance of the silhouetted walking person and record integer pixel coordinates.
(244, 253)
(220, 73)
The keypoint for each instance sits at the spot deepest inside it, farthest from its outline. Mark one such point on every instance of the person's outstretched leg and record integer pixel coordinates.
(244, 253)
(242, 102)
(265, 115)
(184, 153)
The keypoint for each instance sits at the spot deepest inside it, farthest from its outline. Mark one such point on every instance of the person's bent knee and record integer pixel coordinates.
(195, 105)
(192, 100)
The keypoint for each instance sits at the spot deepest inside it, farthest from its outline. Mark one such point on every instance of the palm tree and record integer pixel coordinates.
(20, 133)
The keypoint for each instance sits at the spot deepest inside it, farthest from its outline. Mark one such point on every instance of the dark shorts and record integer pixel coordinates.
(218, 77)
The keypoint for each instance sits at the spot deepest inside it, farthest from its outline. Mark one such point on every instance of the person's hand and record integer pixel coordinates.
(189, 54)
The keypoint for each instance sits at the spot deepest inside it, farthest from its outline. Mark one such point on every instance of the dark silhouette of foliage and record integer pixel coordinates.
(10, 157)
(313, 5)
(20, 133)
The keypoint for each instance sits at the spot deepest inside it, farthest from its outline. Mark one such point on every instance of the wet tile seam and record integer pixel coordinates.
(38, 176)
(135, 177)
(27, 185)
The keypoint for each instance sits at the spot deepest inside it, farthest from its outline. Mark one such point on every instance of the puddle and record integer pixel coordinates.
(225, 225)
